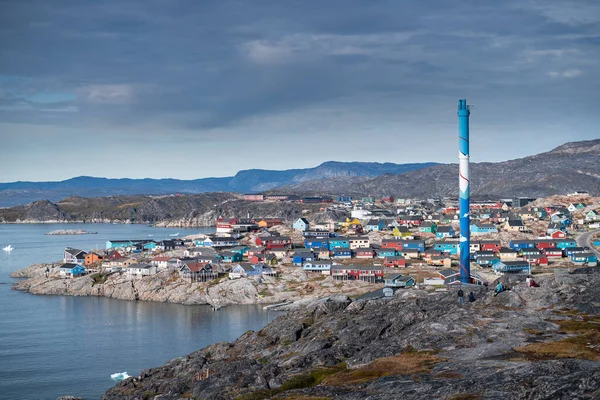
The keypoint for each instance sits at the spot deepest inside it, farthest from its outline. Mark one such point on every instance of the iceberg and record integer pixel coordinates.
(120, 376)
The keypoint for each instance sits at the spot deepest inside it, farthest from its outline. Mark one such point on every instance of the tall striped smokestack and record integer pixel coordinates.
(464, 190)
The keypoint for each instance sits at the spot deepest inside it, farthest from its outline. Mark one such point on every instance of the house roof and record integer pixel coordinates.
(398, 277)
(70, 266)
(74, 252)
(448, 272)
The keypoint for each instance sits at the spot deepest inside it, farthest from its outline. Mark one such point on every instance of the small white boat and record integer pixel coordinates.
(120, 376)
(174, 234)
(150, 235)
(8, 248)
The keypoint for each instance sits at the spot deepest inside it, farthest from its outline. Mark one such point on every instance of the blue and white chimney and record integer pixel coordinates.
(464, 192)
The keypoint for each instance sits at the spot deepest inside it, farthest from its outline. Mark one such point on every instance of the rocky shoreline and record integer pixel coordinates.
(526, 343)
(294, 285)
(70, 232)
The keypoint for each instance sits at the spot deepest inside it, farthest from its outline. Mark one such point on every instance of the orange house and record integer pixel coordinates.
(269, 222)
(92, 258)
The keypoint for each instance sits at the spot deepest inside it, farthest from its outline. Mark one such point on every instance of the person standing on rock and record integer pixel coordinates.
(460, 296)
(471, 297)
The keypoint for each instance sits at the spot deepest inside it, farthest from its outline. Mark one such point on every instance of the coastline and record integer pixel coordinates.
(294, 286)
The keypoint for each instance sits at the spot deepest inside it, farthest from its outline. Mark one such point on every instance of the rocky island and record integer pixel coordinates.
(526, 343)
(70, 232)
(293, 285)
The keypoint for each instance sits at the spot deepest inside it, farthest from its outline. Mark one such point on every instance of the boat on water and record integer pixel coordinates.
(120, 376)
(174, 234)
(8, 248)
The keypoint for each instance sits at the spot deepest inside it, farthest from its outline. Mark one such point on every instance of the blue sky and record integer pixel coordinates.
(191, 89)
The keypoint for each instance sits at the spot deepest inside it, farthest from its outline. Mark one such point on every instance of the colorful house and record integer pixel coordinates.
(395, 244)
(565, 243)
(512, 267)
(339, 243)
(358, 242)
(70, 270)
(92, 258)
(445, 232)
(231, 256)
(521, 244)
(314, 243)
(398, 281)
(299, 257)
(364, 252)
(585, 258)
(340, 252)
(413, 245)
(483, 229)
(385, 252)
(323, 266)
(394, 261)
(450, 247)
(428, 227)
(74, 256)
(301, 224)
(375, 225)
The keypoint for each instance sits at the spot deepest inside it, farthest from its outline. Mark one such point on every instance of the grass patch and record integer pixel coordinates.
(265, 293)
(98, 278)
(408, 363)
(465, 396)
(126, 205)
(533, 332)
(299, 381)
(305, 397)
(574, 326)
(585, 346)
(448, 375)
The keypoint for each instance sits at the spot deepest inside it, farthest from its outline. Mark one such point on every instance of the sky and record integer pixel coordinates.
(191, 89)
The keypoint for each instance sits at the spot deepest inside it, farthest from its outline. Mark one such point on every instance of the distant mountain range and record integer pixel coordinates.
(246, 181)
(570, 167)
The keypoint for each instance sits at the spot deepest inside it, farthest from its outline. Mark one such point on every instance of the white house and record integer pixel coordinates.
(140, 269)
(301, 224)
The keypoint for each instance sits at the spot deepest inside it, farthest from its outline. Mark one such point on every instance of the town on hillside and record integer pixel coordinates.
(391, 242)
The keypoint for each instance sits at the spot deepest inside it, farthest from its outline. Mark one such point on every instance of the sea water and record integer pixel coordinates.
(52, 346)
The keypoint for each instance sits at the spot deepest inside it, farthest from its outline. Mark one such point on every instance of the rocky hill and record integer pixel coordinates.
(570, 167)
(185, 210)
(246, 181)
(526, 343)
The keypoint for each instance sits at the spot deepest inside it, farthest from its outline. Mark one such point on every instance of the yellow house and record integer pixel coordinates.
(351, 221)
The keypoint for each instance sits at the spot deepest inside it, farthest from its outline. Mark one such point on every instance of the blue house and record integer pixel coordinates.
(585, 258)
(243, 250)
(340, 252)
(512, 267)
(382, 253)
(339, 242)
(71, 270)
(521, 244)
(375, 225)
(301, 224)
(482, 229)
(300, 257)
(565, 243)
(323, 266)
(449, 246)
(570, 251)
(596, 243)
(445, 231)
(231, 256)
(316, 242)
(206, 242)
(413, 245)
(119, 244)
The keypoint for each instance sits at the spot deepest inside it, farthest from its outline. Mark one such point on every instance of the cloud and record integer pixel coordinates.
(570, 73)
(108, 94)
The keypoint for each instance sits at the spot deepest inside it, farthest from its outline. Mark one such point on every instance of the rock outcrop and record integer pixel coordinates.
(526, 343)
(294, 285)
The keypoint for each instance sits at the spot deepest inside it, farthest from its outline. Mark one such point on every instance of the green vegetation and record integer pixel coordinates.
(299, 381)
(407, 363)
(265, 293)
(98, 278)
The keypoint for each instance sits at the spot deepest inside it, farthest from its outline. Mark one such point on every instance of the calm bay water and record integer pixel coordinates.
(52, 346)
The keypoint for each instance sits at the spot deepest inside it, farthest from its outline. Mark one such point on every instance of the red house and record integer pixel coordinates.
(391, 244)
(370, 273)
(538, 260)
(252, 251)
(545, 244)
(364, 252)
(558, 235)
(490, 245)
(394, 261)
(275, 242)
(553, 253)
